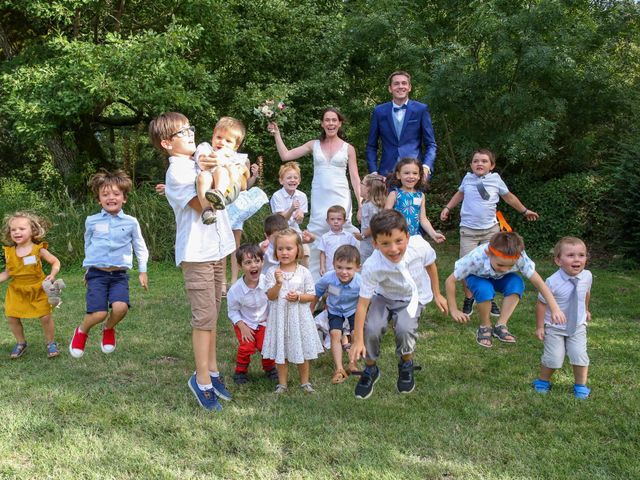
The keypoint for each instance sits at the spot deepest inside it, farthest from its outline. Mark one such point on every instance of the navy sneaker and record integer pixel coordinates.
(368, 379)
(406, 382)
(220, 388)
(206, 398)
(272, 374)
(240, 378)
(495, 309)
(467, 306)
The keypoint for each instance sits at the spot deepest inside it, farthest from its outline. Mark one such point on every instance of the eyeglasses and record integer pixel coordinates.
(183, 132)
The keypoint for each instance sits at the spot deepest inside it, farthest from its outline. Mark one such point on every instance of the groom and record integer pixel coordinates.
(403, 126)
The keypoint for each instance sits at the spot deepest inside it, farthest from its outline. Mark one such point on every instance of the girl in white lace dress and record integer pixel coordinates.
(291, 334)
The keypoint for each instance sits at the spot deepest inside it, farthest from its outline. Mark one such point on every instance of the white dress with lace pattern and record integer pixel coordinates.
(291, 333)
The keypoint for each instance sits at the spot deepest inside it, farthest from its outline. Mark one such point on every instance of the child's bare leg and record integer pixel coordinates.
(303, 370)
(546, 372)
(48, 328)
(118, 312)
(509, 304)
(484, 309)
(201, 340)
(91, 320)
(580, 374)
(467, 292)
(336, 348)
(203, 183)
(237, 234)
(213, 350)
(15, 324)
(283, 373)
(221, 179)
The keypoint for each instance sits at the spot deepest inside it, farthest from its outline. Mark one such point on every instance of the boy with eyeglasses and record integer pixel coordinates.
(199, 251)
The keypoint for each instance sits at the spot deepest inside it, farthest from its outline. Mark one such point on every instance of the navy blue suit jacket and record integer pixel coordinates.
(416, 137)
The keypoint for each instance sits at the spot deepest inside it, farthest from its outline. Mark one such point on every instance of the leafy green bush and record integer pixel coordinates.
(625, 198)
(576, 204)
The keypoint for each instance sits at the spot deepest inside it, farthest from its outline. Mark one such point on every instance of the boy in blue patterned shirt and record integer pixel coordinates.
(109, 239)
(492, 267)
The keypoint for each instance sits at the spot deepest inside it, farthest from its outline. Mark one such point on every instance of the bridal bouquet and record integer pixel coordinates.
(271, 111)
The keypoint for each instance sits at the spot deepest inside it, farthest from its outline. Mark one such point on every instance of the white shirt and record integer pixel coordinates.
(400, 113)
(281, 202)
(381, 276)
(562, 288)
(250, 305)
(477, 263)
(269, 257)
(195, 241)
(225, 156)
(476, 212)
(330, 242)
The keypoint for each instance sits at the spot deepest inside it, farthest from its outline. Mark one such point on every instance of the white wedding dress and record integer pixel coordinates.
(329, 187)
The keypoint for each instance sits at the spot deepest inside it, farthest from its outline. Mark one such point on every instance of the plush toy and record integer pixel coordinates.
(53, 290)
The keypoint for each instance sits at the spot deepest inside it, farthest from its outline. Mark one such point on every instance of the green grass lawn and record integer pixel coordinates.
(473, 414)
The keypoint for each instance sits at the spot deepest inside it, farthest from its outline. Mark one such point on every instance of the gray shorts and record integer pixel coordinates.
(470, 238)
(557, 344)
(381, 312)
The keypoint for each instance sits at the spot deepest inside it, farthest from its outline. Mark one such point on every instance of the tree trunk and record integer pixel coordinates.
(63, 157)
(5, 44)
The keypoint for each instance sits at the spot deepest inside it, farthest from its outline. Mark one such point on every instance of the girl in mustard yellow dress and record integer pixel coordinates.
(24, 233)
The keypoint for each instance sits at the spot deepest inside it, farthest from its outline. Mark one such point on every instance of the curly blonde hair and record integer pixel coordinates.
(39, 227)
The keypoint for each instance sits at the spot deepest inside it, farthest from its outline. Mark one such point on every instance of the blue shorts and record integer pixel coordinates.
(336, 322)
(104, 288)
(485, 289)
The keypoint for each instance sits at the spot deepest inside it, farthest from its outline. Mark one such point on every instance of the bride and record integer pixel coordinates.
(331, 158)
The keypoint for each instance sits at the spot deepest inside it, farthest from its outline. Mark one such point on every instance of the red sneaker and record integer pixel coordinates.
(76, 347)
(108, 340)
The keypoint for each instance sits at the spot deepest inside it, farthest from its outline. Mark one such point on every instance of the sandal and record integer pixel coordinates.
(484, 334)
(52, 350)
(339, 377)
(280, 389)
(307, 388)
(18, 350)
(346, 347)
(501, 333)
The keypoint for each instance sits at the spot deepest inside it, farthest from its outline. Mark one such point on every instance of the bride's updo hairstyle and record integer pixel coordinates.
(341, 134)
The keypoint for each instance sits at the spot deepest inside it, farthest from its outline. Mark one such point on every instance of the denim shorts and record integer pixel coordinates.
(104, 288)
(336, 322)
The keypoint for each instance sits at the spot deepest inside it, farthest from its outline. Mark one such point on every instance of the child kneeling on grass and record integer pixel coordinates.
(489, 268)
(398, 280)
(199, 250)
(571, 287)
(342, 283)
(248, 307)
(108, 240)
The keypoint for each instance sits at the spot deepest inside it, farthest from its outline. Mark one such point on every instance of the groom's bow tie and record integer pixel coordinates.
(397, 109)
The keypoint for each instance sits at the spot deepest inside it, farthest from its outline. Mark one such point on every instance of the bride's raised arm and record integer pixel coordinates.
(287, 155)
